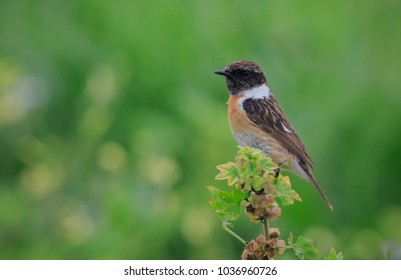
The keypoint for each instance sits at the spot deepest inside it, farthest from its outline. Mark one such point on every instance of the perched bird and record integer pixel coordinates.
(256, 120)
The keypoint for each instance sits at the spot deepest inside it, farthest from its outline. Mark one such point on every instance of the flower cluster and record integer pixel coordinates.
(261, 205)
(264, 249)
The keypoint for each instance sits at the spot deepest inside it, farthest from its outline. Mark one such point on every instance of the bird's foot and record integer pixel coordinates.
(276, 172)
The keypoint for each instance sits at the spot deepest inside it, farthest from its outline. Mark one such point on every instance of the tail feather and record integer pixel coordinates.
(320, 190)
(304, 171)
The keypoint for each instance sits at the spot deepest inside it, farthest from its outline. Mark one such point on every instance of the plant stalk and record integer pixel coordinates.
(233, 233)
(266, 228)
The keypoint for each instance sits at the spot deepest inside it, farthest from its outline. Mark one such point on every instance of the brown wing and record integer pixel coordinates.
(266, 114)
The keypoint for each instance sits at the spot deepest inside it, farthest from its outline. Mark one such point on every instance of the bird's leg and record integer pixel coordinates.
(276, 172)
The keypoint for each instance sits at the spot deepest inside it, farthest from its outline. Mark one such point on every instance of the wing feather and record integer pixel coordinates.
(266, 114)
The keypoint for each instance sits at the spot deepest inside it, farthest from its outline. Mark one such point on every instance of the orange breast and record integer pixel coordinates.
(237, 117)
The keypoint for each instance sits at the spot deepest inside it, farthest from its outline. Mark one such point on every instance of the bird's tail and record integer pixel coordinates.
(303, 170)
(320, 190)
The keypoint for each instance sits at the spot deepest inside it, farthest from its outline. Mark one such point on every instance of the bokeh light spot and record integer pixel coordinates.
(112, 157)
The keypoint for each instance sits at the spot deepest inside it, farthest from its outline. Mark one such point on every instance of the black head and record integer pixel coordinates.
(242, 75)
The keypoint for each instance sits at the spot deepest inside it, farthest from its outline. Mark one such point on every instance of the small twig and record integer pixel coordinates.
(266, 228)
(224, 224)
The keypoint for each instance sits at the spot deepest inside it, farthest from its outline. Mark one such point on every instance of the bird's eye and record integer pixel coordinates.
(245, 74)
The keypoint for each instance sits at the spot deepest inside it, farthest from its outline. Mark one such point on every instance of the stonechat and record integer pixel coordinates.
(256, 120)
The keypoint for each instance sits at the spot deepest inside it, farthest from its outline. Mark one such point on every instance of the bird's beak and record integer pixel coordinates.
(221, 72)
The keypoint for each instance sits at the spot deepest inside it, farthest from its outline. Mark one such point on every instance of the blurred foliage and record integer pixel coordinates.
(112, 123)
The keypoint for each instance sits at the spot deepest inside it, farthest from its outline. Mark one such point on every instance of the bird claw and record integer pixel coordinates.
(276, 172)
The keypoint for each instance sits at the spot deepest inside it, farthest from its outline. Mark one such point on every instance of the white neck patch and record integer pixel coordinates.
(258, 92)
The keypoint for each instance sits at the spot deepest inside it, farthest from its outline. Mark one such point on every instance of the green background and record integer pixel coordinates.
(112, 123)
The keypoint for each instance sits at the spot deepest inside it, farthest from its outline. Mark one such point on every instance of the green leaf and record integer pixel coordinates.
(255, 160)
(228, 171)
(252, 167)
(304, 248)
(284, 191)
(267, 164)
(258, 183)
(227, 204)
(333, 255)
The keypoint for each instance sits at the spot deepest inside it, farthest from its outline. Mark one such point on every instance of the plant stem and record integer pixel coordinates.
(266, 228)
(233, 233)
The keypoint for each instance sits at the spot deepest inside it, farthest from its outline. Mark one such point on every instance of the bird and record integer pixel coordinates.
(256, 120)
